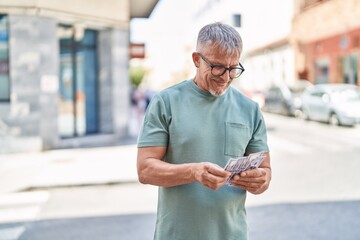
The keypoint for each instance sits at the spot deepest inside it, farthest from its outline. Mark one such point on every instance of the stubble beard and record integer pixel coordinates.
(218, 94)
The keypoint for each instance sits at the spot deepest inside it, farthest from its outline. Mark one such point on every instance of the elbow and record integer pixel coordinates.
(142, 179)
(142, 176)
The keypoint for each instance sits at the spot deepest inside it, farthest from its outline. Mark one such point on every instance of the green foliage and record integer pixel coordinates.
(136, 75)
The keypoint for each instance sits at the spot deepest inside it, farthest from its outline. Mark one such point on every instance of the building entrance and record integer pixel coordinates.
(350, 69)
(78, 112)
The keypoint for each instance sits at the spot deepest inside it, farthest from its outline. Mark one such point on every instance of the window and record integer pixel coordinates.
(78, 82)
(322, 71)
(4, 60)
(317, 94)
(237, 20)
(350, 68)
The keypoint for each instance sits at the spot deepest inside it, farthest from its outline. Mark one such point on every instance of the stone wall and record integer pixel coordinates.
(32, 111)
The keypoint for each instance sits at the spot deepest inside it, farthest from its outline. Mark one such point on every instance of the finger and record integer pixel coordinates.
(213, 186)
(215, 179)
(218, 171)
(247, 186)
(238, 177)
(252, 173)
(249, 181)
(208, 177)
(259, 180)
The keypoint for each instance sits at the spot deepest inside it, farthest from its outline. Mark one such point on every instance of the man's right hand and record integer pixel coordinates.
(210, 175)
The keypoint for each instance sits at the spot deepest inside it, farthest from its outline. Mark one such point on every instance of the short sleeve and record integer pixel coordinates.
(155, 129)
(258, 141)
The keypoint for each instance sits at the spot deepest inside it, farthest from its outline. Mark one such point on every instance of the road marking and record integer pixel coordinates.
(11, 233)
(23, 198)
(23, 206)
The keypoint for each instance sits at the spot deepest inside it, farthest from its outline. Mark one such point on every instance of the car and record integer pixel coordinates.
(285, 100)
(336, 104)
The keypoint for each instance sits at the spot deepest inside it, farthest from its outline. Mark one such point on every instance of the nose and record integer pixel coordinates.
(226, 76)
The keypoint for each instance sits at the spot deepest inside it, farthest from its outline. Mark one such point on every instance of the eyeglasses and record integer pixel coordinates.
(219, 70)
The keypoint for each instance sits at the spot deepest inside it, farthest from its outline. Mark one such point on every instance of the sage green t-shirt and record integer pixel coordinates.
(198, 127)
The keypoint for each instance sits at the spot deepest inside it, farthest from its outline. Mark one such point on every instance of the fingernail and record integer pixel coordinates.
(243, 174)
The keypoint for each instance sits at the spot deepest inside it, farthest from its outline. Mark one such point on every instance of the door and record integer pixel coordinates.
(78, 114)
(350, 69)
(316, 105)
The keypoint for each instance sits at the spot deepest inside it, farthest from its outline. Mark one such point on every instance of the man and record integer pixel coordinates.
(190, 131)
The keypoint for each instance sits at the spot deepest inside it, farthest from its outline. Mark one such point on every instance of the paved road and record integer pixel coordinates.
(323, 220)
(315, 194)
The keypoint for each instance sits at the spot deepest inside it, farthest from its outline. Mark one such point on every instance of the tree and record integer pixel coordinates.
(136, 75)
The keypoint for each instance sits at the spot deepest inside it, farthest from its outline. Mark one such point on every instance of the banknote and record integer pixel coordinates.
(238, 165)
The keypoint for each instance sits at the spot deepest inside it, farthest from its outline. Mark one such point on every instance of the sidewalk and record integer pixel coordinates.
(69, 167)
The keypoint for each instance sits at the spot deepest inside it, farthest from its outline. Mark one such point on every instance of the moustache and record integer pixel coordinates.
(220, 80)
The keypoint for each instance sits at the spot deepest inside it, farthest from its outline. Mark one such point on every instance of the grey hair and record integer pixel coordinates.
(221, 36)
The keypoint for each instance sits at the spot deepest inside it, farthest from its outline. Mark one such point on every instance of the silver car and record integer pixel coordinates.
(337, 104)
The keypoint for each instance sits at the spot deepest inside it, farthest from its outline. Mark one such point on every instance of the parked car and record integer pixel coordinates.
(285, 100)
(337, 104)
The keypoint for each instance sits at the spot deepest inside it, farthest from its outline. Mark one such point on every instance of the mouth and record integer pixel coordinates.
(220, 83)
(220, 80)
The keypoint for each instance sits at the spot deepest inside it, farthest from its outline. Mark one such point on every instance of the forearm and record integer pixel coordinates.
(153, 170)
(157, 172)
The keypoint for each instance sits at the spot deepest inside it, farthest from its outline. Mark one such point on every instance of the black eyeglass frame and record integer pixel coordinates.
(242, 69)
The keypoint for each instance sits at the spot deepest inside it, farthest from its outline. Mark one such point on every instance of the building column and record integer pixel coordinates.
(114, 87)
(34, 57)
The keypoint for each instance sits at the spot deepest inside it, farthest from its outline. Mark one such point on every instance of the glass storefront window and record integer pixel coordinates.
(4, 59)
(78, 114)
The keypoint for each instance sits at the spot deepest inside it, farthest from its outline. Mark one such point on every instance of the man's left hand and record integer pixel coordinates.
(255, 180)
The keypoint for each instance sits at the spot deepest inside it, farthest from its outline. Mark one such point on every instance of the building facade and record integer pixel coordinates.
(64, 72)
(271, 64)
(326, 39)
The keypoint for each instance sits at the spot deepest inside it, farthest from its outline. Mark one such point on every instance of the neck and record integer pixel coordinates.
(197, 84)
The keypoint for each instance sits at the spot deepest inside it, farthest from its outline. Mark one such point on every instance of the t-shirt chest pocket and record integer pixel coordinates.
(237, 137)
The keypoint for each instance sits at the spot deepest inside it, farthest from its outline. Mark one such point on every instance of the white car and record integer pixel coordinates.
(337, 104)
(283, 99)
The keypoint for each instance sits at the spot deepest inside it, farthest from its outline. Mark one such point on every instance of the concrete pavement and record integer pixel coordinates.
(41, 171)
(69, 167)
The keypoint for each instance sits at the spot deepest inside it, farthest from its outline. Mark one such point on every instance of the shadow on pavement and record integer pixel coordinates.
(323, 220)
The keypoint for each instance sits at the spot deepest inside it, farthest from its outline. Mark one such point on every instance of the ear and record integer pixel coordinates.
(196, 59)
